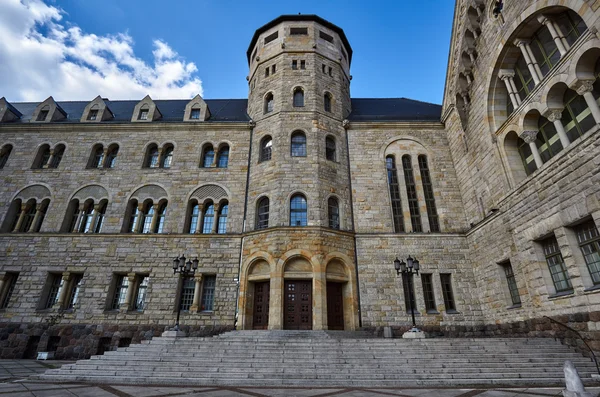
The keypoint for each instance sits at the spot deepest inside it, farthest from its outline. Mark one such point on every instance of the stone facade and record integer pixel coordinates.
(484, 207)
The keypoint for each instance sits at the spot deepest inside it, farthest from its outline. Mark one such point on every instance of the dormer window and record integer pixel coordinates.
(42, 115)
(93, 114)
(143, 114)
(195, 114)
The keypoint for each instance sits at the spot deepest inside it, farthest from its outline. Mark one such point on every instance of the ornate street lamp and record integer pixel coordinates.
(411, 266)
(185, 270)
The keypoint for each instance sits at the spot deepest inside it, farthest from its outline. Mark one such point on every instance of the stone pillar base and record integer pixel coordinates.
(173, 334)
(413, 333)
(387, 332)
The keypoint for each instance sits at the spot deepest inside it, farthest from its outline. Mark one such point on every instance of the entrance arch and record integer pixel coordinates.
(298, 294)
(337, 290)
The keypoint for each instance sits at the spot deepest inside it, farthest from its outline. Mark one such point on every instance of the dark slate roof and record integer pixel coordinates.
(12, 108)
(393, 109)
(221, 110)
(300, 17)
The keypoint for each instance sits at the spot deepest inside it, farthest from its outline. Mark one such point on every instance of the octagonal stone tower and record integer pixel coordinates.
(299, 95)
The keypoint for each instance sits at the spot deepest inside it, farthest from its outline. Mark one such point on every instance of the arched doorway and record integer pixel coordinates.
(337, 281)
(298, 294)
(259, 288)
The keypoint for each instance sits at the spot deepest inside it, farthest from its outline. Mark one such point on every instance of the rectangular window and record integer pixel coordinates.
(121, 286)
(447, 292)
(75, 285)
(428, 294)
(271, 37)
(302, 64)
(267, 71)
(142, 290)
(273, 69)
(195, 114)
(208, 293)
(324, 68)
(10, 280)
(411, 192)
(93, 114)
(407, 293)
(187, 293)
(589, 243)
(143, 114)
(330, 70)
(56, 283)
(556, 265)
(325, 36)
(512, 284)
(298, 31)
(294, 64)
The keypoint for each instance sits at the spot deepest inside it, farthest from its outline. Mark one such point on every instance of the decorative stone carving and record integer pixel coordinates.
(529, 136)
(554, 114)
(252, 123)
(583, 86)
(506, 74)
(346, 124)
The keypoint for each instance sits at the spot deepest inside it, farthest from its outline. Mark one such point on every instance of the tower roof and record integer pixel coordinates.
(300, 17)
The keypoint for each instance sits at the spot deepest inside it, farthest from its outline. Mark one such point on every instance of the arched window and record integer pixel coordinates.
(134, 215)
(268, 108)
(266, 146)
(87, 216)
(547, 139)
(577, 117)
(4, 154)
(147, 215)
(434, 224)
(194, 216)
(526, 156)
(97, 157)
(411, 193)
(397, 214)
(57, 156)
(208, 156)
(298, 97)
(262, 213)
(327, 102)
(334, 213)
(222, 225)
(28, 216)
(330, 148)
(523, 80)
(298, 144)
(208, 218)
(101, 211)
(167, 157)
(42, 157)
(111, 157)
(28, 219)
(151, 156)
(298, 211)
(223, 157)
(161, 216)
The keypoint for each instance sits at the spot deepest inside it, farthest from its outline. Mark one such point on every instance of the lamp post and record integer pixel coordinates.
(411, 266)
(185, 269)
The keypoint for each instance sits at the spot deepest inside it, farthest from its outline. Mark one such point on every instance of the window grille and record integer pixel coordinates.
(428, 295)
(298, 210)
(556, 265)
(208, 294)
(187, 293)
(589, 243)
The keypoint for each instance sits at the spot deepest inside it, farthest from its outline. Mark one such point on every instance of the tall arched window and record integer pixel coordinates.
(87, 218)
(208, 156)
(111, 157)
(547, 139)
(147, 215)
(150, 219)
(268, 108)
(222, 225)
(42, 157)
(194, 217)
(392, 174)
(327, 102)
(97, 157)
(151, 156)
(526, 156)
(576, 117)
(298, 144)
(167, 157)
(57, 156)
(411, 193)
(262, 213)
(330, 148)
(334, 213)
(161, 216)
(266, 147)
(434, 224)
(87, 215)
(223, 157)
(298, 210)
(298, 97)
(26, 219)
(208, 218)
(133, 216)
(101, 211)
(4, 154)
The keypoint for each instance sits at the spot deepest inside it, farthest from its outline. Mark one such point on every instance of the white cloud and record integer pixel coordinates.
(40, 56)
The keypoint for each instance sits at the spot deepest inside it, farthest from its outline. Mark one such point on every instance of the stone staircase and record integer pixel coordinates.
(323, 359)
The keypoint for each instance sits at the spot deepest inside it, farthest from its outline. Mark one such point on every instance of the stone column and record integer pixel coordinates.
(47, 165)
(276, 300)
(200, 218)
(544, 20)
(471, 52)
(138, 221)
(530, 137)
(507, 75)
(156, 207)
(64, 288)
(130, 290)
(160, 157)
(104, 158)
(554, 116)
(195, 308)
(215, 219)
(21, 218)
(420, 194)
(78, 220)
(534, 68)
(585, 88)
(36, 219)
(95, 217)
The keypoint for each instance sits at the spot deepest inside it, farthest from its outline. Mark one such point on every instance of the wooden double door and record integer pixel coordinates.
(260, 317)
(297, 304)
(335, 306)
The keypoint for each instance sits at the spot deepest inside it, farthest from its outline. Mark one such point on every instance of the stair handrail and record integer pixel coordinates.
(580, 337)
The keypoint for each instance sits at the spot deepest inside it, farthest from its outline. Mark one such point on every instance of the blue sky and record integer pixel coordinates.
(171, 49)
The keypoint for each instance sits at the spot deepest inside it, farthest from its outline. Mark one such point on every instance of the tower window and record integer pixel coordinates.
(327, 102)
(298, 210)
(262, 210)
(266, 146)
(325, 36)
(330, 148)
(298, 31)
(268, 103)
(302, 64)
(298, 144)
(298, 97)
(294, 64)
(271, 37)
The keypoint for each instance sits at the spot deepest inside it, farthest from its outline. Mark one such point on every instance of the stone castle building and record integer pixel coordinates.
(296, 201)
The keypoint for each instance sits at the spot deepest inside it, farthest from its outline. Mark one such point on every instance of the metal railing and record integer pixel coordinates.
(580, 337)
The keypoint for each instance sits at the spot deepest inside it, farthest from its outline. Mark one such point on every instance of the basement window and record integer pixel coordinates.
(271, 37)
(298, 31)
(325, 36)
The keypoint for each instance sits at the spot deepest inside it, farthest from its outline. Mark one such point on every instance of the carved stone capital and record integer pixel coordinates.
(506, 74)
(470, 51)
(346, 124)
(543, 19)
(553, 114)
(520, 42)
(529, 136)
(583, 86)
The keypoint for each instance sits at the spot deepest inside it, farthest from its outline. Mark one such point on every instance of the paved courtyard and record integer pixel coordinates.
(14, 383)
